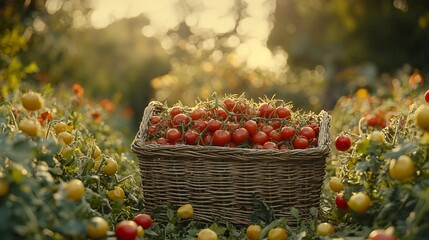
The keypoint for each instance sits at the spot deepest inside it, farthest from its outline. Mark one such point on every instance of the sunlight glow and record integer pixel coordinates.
(203, 17)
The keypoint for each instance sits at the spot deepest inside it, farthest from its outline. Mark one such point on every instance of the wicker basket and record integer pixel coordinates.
(222, 182)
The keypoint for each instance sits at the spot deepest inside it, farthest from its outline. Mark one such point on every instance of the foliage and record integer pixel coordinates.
(366, 167)
(37, 169)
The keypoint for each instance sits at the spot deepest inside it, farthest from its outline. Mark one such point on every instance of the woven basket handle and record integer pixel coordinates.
(153, 107)
(325, 126)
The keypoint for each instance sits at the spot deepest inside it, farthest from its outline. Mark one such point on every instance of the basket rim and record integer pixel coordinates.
(140, 147)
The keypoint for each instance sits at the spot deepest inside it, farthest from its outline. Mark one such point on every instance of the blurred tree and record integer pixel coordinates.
(345, 33)
(116, 62)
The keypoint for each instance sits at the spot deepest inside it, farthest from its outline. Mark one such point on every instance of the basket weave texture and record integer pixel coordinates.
(223, 182)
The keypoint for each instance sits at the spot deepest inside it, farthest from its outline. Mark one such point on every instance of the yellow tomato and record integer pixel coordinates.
(185, 211)
(325, 229)
(96, 152)
(401, 168)
(111, 166)
(60, 127)
(207, 234)
(336, 184)
(140, 231)
(67, 151)
(377, 136)
(277, 233)
(253, 232)
(422, 117)
(65, 137)
(4, 187)
(30, 127)
(116, 194)
(74, 189)
(359, 202)
(32, 101)
(97, 227)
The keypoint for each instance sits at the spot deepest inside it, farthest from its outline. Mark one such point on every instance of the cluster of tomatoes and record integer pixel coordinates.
(235, 122)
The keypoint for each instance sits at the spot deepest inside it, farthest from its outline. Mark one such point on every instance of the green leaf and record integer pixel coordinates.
(170, 214)
(402, 149)
(314, 212)
(294, 212)
(169, 228)
(362, 166)
(219, 230)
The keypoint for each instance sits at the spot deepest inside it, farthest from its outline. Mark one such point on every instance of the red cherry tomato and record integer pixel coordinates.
(222, 114)
(283, 112)
(266, 129)
(191, 137)
(315, 127)
(126, 230)
(144, 220)
(371, 120)
(173, 134)
(300, 143)
(240, 135)
(276, 124)
(198, 113)
(152, 129)
(162, 141)
(427, 96)
(270, 145)
(208, 140)
(343, 142)
(229, 104)
(341, 202)
(251, 127)
(287, 133)
(175, 110)
(307, 132)
(180, 119)
(200, 125)
(260, 138)
(155, 119)
(214, 125)
(221, 137)
(232, 126)
(275, 136)
(266, 110)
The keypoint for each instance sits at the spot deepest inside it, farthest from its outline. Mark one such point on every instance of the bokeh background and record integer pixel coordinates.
(126, 53)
